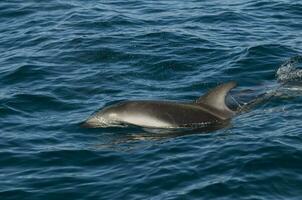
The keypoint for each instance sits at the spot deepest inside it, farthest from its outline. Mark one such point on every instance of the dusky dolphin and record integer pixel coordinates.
(210, 109)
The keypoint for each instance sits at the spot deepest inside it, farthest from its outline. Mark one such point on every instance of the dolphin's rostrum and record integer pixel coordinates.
(210, 109)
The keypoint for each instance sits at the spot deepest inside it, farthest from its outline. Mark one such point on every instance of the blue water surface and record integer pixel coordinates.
(62, 60)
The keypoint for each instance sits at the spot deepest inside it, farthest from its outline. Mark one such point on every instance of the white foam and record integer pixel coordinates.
(288, 72)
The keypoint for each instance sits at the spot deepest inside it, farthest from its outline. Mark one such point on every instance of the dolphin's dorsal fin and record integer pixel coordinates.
(216, 97)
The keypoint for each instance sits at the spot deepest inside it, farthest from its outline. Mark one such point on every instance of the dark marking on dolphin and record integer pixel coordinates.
(210, 109)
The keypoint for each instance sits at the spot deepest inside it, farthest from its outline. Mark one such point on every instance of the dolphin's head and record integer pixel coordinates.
(103, 118)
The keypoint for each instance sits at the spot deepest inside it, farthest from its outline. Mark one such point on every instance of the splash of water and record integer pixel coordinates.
(288, 71)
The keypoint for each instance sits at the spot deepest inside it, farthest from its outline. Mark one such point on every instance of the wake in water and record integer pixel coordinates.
(289, 77)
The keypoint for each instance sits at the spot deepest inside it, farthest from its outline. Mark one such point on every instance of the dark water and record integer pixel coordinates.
(62, 60)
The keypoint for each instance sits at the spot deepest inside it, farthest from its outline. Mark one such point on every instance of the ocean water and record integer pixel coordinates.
(62, 60)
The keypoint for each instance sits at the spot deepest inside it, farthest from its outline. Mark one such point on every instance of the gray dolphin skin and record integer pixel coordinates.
(209, 109)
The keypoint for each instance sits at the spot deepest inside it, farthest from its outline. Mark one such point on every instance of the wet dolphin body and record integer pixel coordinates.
(209, 109)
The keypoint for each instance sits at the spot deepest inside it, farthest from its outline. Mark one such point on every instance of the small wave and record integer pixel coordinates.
(26, 73)
(219, 17)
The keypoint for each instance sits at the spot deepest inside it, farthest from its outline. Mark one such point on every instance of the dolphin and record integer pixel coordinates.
(208, 110)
